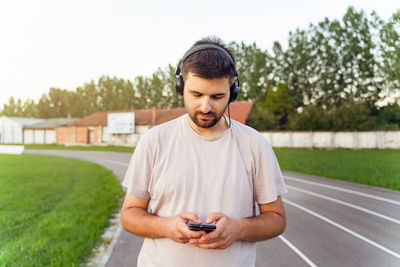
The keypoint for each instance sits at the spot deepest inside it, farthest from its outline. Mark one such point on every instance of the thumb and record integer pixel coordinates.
(190, 216)
(214, 216)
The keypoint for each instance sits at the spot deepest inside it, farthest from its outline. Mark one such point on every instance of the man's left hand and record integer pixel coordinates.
(227, 232)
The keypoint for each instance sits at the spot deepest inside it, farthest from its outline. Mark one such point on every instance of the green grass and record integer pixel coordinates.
(89, 148)
(368, 166)
(52, 210)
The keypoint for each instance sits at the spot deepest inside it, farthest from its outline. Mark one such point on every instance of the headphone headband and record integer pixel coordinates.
(200, 47)
(179, 84)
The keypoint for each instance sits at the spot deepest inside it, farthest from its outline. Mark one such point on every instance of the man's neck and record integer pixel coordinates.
(217, 129)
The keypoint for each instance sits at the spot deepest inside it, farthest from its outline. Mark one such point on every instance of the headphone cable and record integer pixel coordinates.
(229, 115)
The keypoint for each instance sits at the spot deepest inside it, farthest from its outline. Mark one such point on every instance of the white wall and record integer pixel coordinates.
(51, 136)
(28, 136)
(10, 131)
(39, 136)
(352, 140)
(123, 139)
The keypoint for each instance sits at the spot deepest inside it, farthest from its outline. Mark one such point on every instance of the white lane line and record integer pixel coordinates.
(117, 162)
(345, 204)
(344, 190)
(297, 251)
(343, 228)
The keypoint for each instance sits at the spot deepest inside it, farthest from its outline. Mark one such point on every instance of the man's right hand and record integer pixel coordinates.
(176, 227)
(136, 219)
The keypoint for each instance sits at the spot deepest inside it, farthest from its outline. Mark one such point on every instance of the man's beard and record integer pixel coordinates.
(205, 123)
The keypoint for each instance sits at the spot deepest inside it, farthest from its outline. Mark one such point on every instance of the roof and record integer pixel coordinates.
(26, 121)
(163, 115)
(142, 117)
(238, 110)
(52, 123)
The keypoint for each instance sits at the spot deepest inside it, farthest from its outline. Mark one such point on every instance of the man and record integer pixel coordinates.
(203, 167)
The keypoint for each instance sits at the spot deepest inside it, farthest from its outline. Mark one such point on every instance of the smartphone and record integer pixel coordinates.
(201, 227)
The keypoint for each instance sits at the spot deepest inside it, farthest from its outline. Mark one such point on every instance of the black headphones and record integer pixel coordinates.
(179, 84)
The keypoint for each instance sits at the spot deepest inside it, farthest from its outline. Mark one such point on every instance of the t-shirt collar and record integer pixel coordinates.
(186, 118)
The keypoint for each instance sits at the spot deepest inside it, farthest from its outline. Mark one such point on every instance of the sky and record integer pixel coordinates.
(64, 44)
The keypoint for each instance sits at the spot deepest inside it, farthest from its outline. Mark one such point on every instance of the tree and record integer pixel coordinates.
(254, 68)
(54, 104)
(389, 52)
(279, 102)
(273, 112)
(293, 67)
(358, 66)
(115, 94)
(170, 98)
(331, 62)
(12, 108)
(159, 89)
(88, 100)
(29, 109)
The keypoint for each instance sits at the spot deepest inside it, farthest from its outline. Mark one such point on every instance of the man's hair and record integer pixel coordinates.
(210, 63)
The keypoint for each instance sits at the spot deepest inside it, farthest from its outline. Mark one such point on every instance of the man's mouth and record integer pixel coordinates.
(205, 117)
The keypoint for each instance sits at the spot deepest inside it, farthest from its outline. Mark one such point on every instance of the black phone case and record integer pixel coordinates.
(202, 227)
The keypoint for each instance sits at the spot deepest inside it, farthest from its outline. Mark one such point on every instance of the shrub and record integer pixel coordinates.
(389, 117)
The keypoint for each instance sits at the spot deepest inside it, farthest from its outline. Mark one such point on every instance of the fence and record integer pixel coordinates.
(352, 140)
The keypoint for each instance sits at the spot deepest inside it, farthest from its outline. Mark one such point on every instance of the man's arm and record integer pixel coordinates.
(136, 219)
(270, 223)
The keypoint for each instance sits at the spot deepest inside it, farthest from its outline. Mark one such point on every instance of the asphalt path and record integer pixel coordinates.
(329, 222)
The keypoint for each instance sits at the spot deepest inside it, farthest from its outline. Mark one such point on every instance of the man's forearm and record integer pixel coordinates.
(264, 226)
(139, 222)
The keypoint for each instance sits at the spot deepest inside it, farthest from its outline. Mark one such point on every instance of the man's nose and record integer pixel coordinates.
(205, 105)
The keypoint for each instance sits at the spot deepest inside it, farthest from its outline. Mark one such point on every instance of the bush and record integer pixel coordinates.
(389, 117)
(262, 119)
(310, 118)
(350, 116)
(273, 112)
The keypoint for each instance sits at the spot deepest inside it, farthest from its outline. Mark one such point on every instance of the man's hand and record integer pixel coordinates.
(227, 232)
(176, 227)
(270, 223)
(136, 219)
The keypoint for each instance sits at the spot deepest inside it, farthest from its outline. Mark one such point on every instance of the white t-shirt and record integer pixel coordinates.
(180, 170)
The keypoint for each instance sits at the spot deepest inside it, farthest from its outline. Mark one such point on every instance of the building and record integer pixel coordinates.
(95, 128)
(44, 132)
(11, 129)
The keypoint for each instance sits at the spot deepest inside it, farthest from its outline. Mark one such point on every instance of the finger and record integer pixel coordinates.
(190, 216)
(189, 233)
(214, 216)
(195, 234)
(214, 245)
(194, 241)
(216, 234)
(211, 237)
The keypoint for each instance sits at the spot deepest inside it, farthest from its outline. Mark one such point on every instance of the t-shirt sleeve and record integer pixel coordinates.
(268, 182)
(138, 175)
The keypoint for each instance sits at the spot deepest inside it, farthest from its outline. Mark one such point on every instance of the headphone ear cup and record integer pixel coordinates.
(179, 84)
(234, 92)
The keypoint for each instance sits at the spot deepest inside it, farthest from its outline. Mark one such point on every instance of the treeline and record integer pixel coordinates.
(334, 75)
(108, 93)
